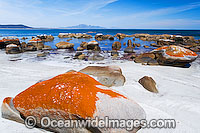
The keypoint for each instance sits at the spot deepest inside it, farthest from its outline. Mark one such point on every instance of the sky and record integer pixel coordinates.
(125, 14)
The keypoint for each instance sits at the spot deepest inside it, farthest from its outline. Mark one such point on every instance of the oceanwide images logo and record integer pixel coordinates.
(128, 124)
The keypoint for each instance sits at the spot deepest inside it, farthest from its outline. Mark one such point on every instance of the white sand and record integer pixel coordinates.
(178, 98)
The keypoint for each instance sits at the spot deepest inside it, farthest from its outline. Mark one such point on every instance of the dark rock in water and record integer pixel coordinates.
(128, 50)
(13, 49)
(68, 40)
(137, 44)
(178, 38)
(24, 38)
(129, 43)
(84, 45)
(149, 84)
(116, 46)
(120, 36)
(145, 46)
(155, 45)
(94, 46)
(101, 37)
(46, 38)
(9, 40)
(111, 38)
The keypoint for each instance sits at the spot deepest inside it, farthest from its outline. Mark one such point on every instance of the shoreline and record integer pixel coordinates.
(106, 29)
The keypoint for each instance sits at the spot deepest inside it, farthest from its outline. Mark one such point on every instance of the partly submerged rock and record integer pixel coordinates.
(74, 96)
(93, 45)
(9, 40)
(37, 42)
(129, 43)
(13, 49)
(46, 47)
(145, 46)
(149, 84)
(116, 46)
(64, 45)
(30, 47)
(46, 38)
(107, 75)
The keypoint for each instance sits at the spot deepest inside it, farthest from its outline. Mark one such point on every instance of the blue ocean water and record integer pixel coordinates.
(34, 32)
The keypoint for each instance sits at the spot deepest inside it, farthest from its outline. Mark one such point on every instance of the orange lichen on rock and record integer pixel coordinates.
(7, 100)
(72, 92)
(5, 40)
(35, 40)
(177, 51)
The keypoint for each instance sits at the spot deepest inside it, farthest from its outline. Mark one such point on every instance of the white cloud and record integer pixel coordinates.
(90, 6)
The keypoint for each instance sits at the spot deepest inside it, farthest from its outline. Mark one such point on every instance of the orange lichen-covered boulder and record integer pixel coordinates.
(174, 55)
(72, 95)
(9, 40)
(37, 42)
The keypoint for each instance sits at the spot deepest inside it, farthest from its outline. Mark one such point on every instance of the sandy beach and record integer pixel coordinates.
(178, 96)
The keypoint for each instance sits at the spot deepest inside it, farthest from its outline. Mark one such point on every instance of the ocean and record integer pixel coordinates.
(34, 32)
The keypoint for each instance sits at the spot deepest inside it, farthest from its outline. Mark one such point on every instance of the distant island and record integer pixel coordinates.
(84, 26)
(19, 26)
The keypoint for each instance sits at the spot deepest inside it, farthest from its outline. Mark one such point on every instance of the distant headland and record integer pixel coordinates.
(21, 26)
(18, 26)
(84, 26)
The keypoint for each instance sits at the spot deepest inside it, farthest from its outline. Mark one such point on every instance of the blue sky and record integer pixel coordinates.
(128, 14)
